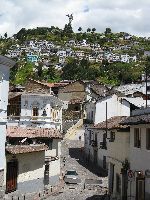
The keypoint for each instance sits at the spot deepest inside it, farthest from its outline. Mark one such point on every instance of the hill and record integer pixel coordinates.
(53, 54)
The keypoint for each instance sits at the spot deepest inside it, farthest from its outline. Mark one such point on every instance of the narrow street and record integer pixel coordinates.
(71, 150)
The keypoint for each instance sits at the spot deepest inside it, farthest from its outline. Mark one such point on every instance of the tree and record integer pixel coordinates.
(68, 29)
(5, 35)
(23, 73)
(93, 30)
(107, 31)
(88, 30)
(80, 29)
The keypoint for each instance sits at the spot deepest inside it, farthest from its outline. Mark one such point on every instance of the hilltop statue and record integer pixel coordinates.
(70, 16)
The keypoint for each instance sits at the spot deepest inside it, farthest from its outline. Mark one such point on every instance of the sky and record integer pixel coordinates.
(130, 16)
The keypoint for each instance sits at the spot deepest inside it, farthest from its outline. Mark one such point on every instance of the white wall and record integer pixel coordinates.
(118, 151)
(140, 158)
(101, 152)
(30, 166)
(4, 87)
(41, 101)
(115, 107)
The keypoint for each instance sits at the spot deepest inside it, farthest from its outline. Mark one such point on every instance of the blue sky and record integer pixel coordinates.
(120, 15)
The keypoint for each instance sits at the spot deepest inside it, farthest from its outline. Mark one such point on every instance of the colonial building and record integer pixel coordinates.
(116, 145)
(34, 120)
(35, 110)
(32, 159)
(5, 65)
(139, 154)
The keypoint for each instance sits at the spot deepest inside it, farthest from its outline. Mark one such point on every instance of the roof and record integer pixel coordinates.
(21, 132)
(12, 95)
(19, 149)
(50, 85)
(138, 119)
(77, 100)
(112, 123)
(6, 61)
(129, 88)
(137, 101)
(99, 89)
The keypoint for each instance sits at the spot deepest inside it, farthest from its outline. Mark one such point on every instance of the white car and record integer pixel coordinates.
(72, 177)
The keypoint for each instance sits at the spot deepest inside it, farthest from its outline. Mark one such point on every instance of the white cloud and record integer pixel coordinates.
(120, 15)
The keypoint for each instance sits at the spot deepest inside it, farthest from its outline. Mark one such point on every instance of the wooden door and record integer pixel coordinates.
(140, 188)
(11, 176)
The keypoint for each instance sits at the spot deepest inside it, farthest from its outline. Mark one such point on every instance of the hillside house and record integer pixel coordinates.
(5, 65)
(32, 58)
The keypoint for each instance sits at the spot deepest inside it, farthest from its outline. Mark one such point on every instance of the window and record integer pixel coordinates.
(112, 136)
(35, 111)
(148, 88)
(118, 183)
(137, 137)
(48, 143)
(148, 138)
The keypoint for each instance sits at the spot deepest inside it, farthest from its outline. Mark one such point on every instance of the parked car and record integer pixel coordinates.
(72, 177)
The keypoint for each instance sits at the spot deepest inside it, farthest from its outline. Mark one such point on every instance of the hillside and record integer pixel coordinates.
(52, 54)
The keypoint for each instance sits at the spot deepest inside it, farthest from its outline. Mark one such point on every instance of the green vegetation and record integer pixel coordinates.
(108, 73)
(22, 73)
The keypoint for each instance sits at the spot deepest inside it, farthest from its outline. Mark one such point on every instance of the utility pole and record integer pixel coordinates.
(106, 119)
(146, 83)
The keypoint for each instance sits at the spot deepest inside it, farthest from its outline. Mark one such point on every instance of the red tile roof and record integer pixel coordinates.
(18, 149)
(112, 123)
(15, 131)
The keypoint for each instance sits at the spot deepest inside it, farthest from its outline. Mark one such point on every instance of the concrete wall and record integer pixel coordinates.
(115, 107)
(30, 171)
(89, 150)
(101, 152)
(54, 166)
(118, 151)
(140, 159)
(4, 87)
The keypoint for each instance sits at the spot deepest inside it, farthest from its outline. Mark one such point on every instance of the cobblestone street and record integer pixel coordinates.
(71, 150)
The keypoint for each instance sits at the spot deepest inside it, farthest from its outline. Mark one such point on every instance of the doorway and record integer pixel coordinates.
(11, 176)
(140, 188)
